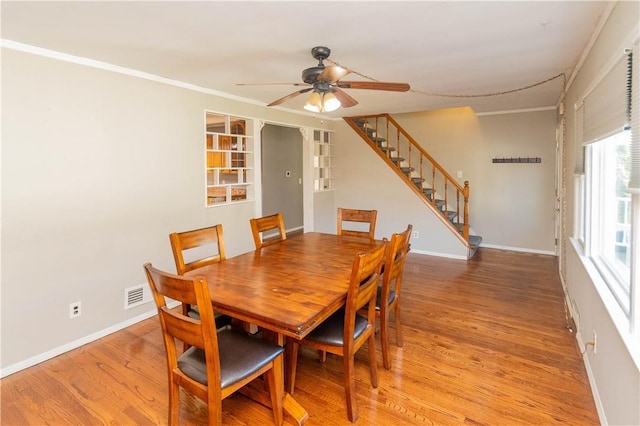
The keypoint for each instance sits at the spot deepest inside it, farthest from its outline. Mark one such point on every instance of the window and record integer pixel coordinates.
(608, 203)
(608, 181)
(229, 159)
(322, 180)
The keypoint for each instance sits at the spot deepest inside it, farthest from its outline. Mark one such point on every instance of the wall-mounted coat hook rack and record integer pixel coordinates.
(517, 160)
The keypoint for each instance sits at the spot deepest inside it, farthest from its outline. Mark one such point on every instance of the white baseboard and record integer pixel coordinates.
(592, 382)
(483, 245)
(432, 253)
(30, 362)
(520, 249)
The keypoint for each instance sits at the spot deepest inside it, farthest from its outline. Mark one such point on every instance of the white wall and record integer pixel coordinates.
(510, 205)
(614, 371)
(97, 169)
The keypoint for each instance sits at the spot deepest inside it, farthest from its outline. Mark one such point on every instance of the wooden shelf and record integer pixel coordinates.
(227, 151)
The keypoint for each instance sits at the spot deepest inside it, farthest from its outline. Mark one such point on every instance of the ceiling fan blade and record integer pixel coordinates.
(289, 96)
(332, 73)
(374, 85)
(271, 84)
(345, 100)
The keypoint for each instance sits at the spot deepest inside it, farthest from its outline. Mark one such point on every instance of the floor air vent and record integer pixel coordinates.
(136, 296)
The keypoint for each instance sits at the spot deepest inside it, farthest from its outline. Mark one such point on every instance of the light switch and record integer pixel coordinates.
(459, 174)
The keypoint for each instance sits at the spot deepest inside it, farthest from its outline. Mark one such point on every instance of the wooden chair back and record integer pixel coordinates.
(199, 333)
(389, 298)
(268, 223)
(182, 242)
(202, 337)
(394, 260)
(209, 244)
(357, 216)
(363, 285)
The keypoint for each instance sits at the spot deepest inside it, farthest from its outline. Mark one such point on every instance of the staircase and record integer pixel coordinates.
(437, 188)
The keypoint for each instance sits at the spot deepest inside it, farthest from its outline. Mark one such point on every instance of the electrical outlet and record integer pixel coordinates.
(416, 235)
(74, 310)
(592, 343)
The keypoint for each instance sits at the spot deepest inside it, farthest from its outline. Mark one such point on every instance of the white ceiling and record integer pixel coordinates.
(452, 47)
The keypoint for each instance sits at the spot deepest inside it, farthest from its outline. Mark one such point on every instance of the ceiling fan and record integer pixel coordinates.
(326, 85)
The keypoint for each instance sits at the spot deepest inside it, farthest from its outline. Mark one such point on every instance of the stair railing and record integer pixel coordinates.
(411, 162)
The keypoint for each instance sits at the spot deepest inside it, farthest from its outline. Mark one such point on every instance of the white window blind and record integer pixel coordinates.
(634, 181)
(579, 130)
(606, 107)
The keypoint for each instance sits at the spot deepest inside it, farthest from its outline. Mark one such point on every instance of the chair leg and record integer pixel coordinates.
(350, 387)
(384, 338)
(215, 412)
(174, 403)
(398, 326)
(291, 354)
(275, 380)
(373, 365)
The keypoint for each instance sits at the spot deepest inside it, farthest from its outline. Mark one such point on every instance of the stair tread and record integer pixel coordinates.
(450, 214)
(369, 133)
(475, 240)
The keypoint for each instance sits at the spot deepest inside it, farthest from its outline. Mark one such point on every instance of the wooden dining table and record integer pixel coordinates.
(287, 289)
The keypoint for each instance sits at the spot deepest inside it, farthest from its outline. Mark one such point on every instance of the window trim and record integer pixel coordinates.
(628, 323)
(594, 229)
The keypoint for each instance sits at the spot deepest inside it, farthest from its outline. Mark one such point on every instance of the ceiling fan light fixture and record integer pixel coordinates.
(330, 102)
(314, 102)
(326, 81)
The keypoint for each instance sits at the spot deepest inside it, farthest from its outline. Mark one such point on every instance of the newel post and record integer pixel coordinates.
(465, 231)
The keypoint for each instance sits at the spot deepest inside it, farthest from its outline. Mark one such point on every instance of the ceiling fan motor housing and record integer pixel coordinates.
(310, 75)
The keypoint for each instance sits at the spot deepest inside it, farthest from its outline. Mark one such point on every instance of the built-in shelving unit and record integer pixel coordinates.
(322, 161)
(229, 159)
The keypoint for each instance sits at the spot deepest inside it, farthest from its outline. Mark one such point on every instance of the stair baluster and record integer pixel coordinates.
(412, 163)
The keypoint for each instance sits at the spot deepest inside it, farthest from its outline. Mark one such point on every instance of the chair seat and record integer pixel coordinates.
(240, 356)
(392, 295)
(221, 319)
(331, 331)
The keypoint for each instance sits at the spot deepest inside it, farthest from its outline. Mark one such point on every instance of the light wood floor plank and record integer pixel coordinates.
(485, 343)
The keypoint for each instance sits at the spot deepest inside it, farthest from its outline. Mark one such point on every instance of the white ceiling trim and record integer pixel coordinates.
(65, 57)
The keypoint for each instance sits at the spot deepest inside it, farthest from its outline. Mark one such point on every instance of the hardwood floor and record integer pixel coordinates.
(485, 343)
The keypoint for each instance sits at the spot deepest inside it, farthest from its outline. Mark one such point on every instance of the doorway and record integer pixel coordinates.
(282, 174)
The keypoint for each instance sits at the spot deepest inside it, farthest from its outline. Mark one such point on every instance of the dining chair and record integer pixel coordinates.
(202, 247)
(353, 217)
(388, 295)
(218, 362)
(268, 223)
(344, 332)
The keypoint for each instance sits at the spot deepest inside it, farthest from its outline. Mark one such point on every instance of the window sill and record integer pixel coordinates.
(619, 319)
